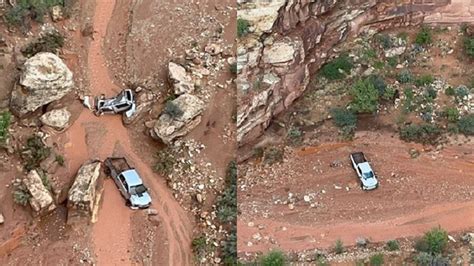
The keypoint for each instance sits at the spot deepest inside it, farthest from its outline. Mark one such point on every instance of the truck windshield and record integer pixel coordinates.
(137, 189)
(368, 175)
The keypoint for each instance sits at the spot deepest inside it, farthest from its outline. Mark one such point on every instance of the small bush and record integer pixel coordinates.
(427, 259)
(469, 46)
(295, 136)
(425, 133)
(460, 93)
(166, 161)
(21, 195)
(364, 97)
(233, 68)
(25, 10)
(408, 105)
(34, 152)
(424, 36)
(449, 91)
(389, 94)
(392, 61)
(451, 114)
(59, 159)
(273, 258)
(376, 260)
(466, 125)
(379, 83)
(433, 242)
(384, 40)
(173, 110)
(424, 80)
(199, 246)
(339, 247)
(392, 245)
(379, 65)
(344, 119)
(229, 250)
(405, 76)
(5, 120)
(272, 155)
(49, 42)
(337, 68)
(227, 201)
(242, 27)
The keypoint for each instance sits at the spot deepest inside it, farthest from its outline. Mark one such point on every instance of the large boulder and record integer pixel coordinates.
(44, 79)
(181, 81)
(179, 117)
(82, 197)
(57, 119)
(41, 200)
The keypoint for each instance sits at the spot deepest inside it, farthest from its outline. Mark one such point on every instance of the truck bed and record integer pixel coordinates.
(358, 157)
(117, 164)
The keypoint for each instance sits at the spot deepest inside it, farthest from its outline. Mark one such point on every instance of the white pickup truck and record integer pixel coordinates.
(364, 171)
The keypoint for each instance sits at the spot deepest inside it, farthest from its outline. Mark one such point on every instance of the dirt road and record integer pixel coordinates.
(99, 137)
(412, 198)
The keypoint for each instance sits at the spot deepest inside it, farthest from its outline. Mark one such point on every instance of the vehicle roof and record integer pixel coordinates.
(132, 177)
(365, 167)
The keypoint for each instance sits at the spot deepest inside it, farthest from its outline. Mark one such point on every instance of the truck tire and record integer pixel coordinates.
(107, 171)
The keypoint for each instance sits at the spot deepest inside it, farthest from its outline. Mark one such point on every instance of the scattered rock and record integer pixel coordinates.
(57, 13)
(57, 119)
(151, 212)
(44, 79)
(361, 241)
(2, 219)
(171, 126)
(181, 81)
(41, 200)
(83, 192)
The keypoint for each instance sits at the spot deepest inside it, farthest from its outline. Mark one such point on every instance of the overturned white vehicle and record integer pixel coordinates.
(124, 102)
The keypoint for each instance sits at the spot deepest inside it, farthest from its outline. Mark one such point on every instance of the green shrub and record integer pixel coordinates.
(425, 133)
(450, 91)
(272, 155)
(424, 36)
(344, 119)
(166, 161)
(451, 114)
(229, 249)
(294, 136)
(227, 201)
(392, 245)
(392, 61)
(273, 258)
(388, 94)
(384, 40)
(337, 68)
(199, 246)
(460, 93)
(376, 260)
(25, 10)
(364, 97)
(469, 46)
(427, 259)
(233, 68)
(408, 104)
(339, 247)
(433, 242)
(405, 76)
(34, 152)
(59, 159)
(368, 54)
(466, 125)
(173, 110)
(242, 27)
(21, 195)
(378, 65)
(424, 80)
(49, 42)
(5, 120)
(379, 83)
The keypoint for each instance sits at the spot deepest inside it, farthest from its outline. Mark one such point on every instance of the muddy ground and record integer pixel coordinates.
(127, 47)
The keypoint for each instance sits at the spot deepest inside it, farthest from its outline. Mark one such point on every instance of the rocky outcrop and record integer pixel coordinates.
(41, 200)
(178, 119)
(44, 79)
(180, 80)
(57, 119)
(144, 102)
(276, 62)
(82, 196)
